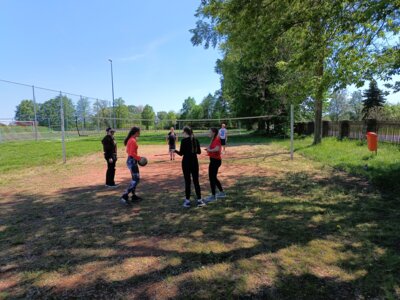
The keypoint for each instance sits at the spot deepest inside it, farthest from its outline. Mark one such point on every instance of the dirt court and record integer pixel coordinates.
(65, 235)
(46, 210)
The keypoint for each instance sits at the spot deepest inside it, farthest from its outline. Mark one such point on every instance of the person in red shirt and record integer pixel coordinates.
(214, 152)
(132, 163)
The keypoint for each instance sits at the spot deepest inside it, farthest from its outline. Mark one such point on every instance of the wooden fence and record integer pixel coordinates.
(387, 131)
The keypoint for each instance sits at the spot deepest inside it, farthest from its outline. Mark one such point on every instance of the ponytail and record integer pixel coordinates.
(131, 133)
(215, 132)
(189, 132)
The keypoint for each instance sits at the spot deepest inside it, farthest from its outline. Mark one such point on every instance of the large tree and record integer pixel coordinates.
(187, 107)
(338, 107)
(25, 111)
(121, 113)
(83, 110)
(373, 99)
(355, 106)
(50, 113)
(148, 115)
(332, 43)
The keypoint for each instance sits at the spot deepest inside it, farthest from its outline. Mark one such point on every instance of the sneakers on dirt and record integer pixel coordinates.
(136, 198)
(125, 200)
(200, 203)
(221, 195)
(210, 198)
(186, 203)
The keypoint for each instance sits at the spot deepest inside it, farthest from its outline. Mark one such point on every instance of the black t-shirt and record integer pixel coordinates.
(109, 147)
(171, 138)
(189, 149)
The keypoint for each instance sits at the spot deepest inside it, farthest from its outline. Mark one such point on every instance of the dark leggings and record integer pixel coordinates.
(110, 175)
(191, 168)
(212, 174)
(134, 169)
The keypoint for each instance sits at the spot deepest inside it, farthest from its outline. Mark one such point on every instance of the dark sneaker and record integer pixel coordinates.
(136, 198)
(124, 200)
(111, 185)
(186, 203)
(200, 203)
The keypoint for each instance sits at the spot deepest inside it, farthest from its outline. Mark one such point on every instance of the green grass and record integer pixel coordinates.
(25, 154)
(354, 157)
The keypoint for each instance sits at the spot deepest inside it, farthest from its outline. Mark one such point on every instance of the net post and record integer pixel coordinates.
(291, 130)
(34, 110)
(62, 129)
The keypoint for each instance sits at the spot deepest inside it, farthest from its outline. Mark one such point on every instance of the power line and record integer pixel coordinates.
(50, 90)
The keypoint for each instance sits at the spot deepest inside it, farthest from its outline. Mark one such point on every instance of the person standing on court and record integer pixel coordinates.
(214, 152)
(223, 135)
(132, 163)
(110, 155)
(189, 149)
(171, 140)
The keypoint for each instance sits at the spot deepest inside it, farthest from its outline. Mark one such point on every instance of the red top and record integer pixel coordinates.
(132, 147)
(216, 142)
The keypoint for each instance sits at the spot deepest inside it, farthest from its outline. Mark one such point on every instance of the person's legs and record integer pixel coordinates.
(216, 168)
(195, 175)
(186, 175)
(110, 174)
(134, 169)
(212, 175)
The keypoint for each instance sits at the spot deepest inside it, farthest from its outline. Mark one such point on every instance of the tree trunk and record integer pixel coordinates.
(318, 103)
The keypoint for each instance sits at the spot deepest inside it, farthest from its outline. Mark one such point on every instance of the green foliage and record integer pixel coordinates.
(355, 106)
(121, 113)
(25, 111)
(187, 107)
(338, 106)
(373, 98)
(295, 50)
(83, 110)
(50, 113)
(149, 115)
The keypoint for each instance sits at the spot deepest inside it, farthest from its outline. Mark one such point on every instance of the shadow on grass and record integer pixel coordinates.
(81, 243)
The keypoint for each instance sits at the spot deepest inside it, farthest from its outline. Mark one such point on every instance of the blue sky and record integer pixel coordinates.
(65, 45)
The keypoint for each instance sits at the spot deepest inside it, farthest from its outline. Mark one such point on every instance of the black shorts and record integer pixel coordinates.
(223, 142)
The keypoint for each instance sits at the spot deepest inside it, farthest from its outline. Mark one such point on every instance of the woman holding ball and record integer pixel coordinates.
(132, 162)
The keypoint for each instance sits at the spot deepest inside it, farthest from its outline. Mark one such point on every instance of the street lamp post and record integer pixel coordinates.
(112, 86)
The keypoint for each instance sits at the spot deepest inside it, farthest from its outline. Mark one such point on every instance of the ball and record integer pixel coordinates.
(143, 161)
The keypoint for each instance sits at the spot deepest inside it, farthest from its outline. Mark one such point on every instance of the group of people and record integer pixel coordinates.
(189, 149)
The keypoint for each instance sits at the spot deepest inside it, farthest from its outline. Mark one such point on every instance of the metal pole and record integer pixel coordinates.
(62, 129)
(112, 86)
(291, 130)
(98, 116)
(34, 109)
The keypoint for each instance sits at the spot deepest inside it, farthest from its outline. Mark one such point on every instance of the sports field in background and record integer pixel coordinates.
(323, 226)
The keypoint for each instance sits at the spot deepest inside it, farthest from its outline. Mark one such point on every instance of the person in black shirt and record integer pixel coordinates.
(110, 155)
(189, 149)
(171, 140)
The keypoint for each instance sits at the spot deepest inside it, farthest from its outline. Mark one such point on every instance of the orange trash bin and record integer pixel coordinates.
(372, 140)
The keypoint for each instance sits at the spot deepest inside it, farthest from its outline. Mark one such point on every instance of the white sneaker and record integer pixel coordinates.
(186, 203)
(210, 198)
(221, 195)
(200, 203)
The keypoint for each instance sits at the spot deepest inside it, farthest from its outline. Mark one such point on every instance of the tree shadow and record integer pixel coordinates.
(83, 236)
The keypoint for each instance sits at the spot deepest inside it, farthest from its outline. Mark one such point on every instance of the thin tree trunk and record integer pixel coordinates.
(318, 104)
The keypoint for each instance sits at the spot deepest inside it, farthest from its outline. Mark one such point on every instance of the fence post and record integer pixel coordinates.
(62, 129)
(34, 110)
(291, 130)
